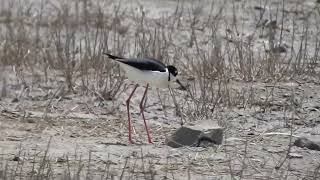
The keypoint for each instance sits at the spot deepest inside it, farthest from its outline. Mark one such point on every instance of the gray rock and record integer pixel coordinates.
(307, 143)
(204, 133)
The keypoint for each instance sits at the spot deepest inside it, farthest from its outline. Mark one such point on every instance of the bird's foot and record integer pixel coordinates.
(131, 141)
(150, 141)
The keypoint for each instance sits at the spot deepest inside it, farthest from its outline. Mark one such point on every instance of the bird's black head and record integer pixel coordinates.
(173, 70)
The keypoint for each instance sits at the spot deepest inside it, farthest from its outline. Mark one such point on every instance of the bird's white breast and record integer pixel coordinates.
(143, 77)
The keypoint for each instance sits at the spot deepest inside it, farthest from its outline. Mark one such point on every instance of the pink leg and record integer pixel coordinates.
(142, 105)
(129, 120)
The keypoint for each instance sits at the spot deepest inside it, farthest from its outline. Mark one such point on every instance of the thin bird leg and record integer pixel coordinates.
(142, 105)
(129, 120)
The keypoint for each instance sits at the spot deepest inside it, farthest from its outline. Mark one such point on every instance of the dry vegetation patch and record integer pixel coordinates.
(251, 66)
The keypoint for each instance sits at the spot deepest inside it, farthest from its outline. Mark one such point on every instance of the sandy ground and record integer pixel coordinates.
(80, 133)
(255, 141)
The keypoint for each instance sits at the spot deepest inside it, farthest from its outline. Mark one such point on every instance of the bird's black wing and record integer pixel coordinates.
(147, 64)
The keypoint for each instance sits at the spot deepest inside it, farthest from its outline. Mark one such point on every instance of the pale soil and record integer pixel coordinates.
(85, 131)
(75, 131)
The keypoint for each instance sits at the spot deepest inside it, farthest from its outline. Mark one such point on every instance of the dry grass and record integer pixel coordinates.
(224, 50)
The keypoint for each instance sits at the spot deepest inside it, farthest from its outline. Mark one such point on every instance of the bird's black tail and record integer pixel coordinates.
(112, 56)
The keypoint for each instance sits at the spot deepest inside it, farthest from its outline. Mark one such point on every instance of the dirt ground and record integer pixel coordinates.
(79, 136)
(81, 132)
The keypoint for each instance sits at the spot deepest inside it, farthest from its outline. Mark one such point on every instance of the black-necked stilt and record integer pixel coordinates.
(148, 72)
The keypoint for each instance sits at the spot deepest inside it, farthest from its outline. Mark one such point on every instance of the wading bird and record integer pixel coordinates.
(145, 72)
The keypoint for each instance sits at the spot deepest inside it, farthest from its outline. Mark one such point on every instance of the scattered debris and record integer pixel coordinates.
(259, 8)
(14, 138)
(17, 158)
(295, 155)
(30, 120)
(61, 160)
(279, 49)
(15, 100)
(304, 142)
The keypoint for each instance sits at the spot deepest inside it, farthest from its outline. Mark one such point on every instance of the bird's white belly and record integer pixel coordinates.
(153, 78)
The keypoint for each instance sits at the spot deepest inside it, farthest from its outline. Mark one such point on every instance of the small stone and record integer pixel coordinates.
(204, 133)
(271, 24)
(16, 158)
(31, 120)
(61, 160)
(259, 8)
(74, 135)
(279, 49)
(304, 142)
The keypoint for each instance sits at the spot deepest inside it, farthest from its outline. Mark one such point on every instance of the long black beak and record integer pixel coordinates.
(182, 87)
